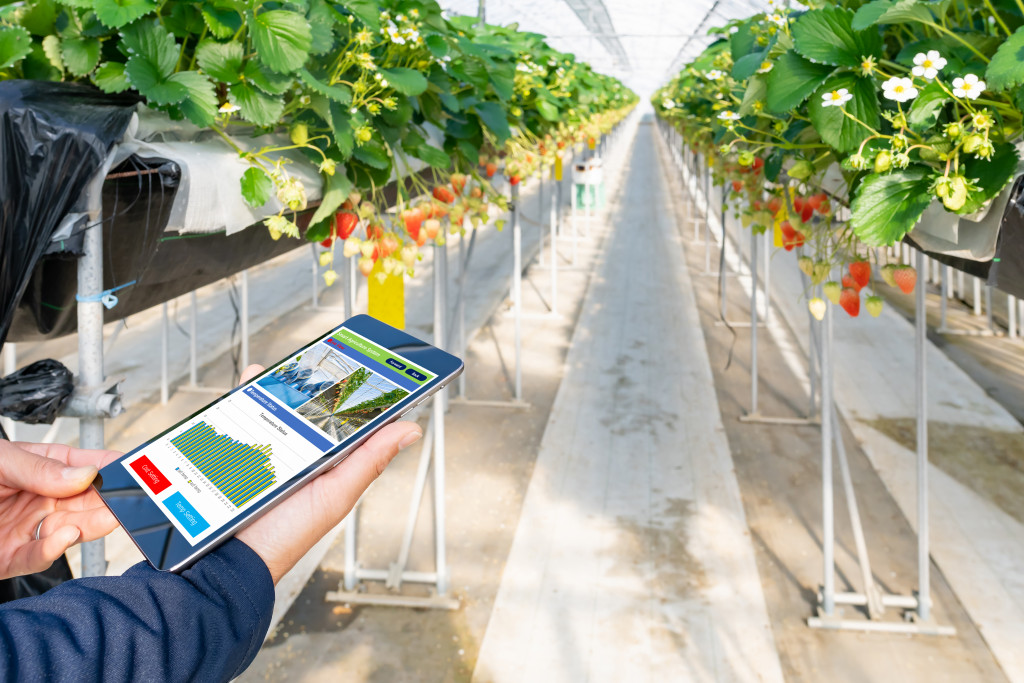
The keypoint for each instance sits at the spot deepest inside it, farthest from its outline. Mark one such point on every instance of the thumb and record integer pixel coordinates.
(26, 471)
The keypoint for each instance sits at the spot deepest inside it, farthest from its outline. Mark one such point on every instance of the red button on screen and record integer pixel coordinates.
(148, 472)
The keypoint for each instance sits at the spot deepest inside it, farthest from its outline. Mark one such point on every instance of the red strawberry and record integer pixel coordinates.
(825, 208)
(514, 180)
(850, 283)
(758, 163)
(758, 205)
(815, 200)
(327, 242)
(413, 218)
(850, 301)
(388, 245)
(807, 213)
(737, 186)
(458, 182)
(561, 144)
(798, 204)
(905, 278)
(443, 194)
(375, 231)
(491, 169)
(344, 224)
(861, 272)
(774, 204)
(788, 236)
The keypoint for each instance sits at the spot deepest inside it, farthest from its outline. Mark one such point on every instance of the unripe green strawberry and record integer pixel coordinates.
(874, 305)
(299, 134)
(806, 264)
(887, 274)
(821, 271)
(832, 290)
(883, 162)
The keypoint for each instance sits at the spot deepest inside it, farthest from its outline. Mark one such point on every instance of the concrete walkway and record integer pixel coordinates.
(632, 560)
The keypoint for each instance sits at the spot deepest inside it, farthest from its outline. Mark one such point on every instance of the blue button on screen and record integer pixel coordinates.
(186, 515)
(418, 376)
(395, 364)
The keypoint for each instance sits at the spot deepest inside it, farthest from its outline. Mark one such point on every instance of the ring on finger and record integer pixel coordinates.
(39, 527)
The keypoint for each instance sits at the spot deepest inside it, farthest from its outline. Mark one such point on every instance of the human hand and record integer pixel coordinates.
(48, 483)
(285, 533)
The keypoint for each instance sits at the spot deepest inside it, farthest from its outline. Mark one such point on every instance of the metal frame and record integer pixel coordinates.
(432, 455)
(918, 618)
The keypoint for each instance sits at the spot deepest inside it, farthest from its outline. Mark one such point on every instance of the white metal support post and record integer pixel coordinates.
(164, 351)
(556, 200)
(432, 454)
(244, 315)
(90, 365)
(540, 213)
(517, 291)
(918, 607)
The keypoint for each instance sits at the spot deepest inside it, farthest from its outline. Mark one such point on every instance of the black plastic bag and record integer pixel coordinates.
(54, 137)
(36, 393)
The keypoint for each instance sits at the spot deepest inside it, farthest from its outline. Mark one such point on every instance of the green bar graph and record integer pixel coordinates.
(239, 470)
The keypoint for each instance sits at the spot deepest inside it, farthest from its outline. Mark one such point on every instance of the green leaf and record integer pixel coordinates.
(221, 61)
(757, 88)
(366, 11)
(282, 39)
(321, 27)
(888, 205)
(51, 48)
(223, 22)
(791, 80)
(151, 83)
(991, 176)
(256, 186)
(927, 106)
(39, 17)
(266, 80)
(373, 154)
(406, 81)
(747, 66)
(437, 45)
(834, 127)
(432, 155)
(1007, 66)
(154, 43)
(256, 106)
(890, 12)
(493, 116)
(80, 55)
(547, 110)
(110, 78)
(336, 190)
(341, 94)
(15, 43)
(200, 104)
(503, 82)
(117, 13)
(826, 35)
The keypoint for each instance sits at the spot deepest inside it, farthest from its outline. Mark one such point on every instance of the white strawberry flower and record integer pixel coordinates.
(777, 19)
(899, 89)
(228, 108)
(969, 86)
(714, 75)
(927, 65)
(729, 116)
(836, 98)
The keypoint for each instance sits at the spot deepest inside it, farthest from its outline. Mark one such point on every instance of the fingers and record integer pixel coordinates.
(250, 372)
(345, 483)
(72, 456)
(24, 470)
(92, 523)
(38, 555)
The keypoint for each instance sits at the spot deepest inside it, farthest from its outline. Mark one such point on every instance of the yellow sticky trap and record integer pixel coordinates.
(591, 143)
(558, 167)
(387, 298)
(777, 233)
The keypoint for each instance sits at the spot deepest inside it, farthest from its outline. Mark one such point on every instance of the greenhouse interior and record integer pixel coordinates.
(575, 340)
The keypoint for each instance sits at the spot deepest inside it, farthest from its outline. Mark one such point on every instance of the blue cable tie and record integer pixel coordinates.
(106, 297)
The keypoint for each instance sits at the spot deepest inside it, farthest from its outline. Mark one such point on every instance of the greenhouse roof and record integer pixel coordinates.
(642, 43)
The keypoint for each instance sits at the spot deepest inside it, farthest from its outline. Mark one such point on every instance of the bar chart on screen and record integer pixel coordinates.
(239, 470)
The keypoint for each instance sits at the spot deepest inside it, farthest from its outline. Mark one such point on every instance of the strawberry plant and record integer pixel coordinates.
(366, 90)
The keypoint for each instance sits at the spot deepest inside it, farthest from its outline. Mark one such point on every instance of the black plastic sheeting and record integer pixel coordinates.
(36, 393)
(54, 137)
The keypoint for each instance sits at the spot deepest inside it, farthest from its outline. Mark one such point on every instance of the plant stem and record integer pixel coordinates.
(958, 39)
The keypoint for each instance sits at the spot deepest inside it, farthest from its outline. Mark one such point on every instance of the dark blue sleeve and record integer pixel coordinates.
(206, 624)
